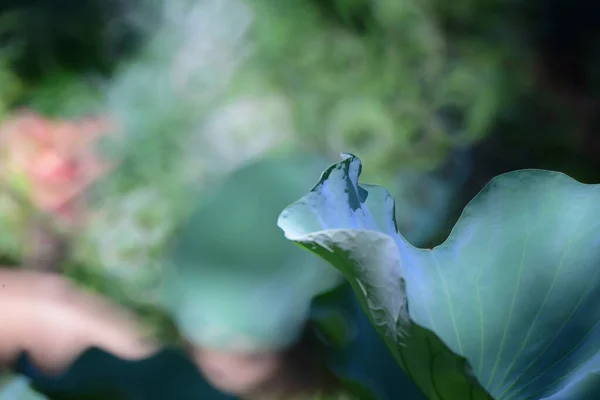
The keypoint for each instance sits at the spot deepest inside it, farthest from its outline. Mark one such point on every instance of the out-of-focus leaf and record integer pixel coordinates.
(231, 280)
(98, 375)
(17, 387)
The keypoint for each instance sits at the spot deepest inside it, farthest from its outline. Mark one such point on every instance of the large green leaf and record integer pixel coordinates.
(514, 289)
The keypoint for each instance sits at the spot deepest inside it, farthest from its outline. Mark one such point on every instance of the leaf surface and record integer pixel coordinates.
(513, 290)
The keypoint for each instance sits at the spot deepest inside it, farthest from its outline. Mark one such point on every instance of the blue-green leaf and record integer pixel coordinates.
(514, 289)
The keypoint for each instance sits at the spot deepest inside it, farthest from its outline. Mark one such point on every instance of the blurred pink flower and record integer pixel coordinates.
(52, 162)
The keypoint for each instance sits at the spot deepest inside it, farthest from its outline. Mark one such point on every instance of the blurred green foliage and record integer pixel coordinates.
(396, 82)
(382, 77)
